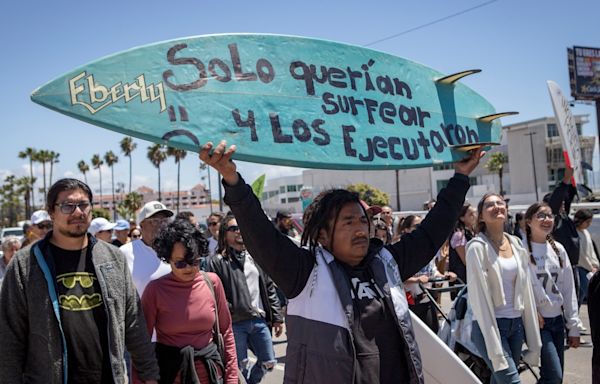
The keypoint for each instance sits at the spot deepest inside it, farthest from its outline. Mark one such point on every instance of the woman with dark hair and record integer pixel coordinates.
(554, 291)
(181, 308)
(501, 294)
(588, 258)
(463, 233)
(519, 229)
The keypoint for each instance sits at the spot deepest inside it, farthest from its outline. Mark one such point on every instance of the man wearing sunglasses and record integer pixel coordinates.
(212, 222)
(41, 223)
(252, 301)
(68, 306)
(143, 263)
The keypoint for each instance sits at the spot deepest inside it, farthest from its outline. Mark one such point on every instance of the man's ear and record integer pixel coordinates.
(323, 238)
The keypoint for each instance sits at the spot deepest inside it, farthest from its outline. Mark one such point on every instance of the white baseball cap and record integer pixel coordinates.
(152, 208)
(40, 216)
(100, 224)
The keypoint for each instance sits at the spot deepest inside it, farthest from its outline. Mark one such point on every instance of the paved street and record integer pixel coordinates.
(577, 361)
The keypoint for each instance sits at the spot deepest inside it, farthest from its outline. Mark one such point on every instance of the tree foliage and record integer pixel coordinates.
(370, 194)
(496, 164)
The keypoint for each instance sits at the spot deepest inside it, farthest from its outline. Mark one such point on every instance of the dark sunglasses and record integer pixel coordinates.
(232, 228)
(69, 208)
(44, 225)
(183, 263)
(136, 236)
(213, 223)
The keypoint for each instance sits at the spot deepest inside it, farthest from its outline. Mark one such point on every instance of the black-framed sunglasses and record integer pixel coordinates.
(181, 264)
(213, 223)
(232, 228)
(68, 208)
(44, 226)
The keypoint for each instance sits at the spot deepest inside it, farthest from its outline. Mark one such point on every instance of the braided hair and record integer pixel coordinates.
(325, 207)
(531, 211)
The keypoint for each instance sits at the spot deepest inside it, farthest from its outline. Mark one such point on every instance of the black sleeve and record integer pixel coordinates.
(558, 196)
(287, 264)
(417, 248)
(273, 300)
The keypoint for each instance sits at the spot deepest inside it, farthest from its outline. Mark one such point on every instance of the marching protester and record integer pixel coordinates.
(554, 292)
(463, 233)
(213, 221)
(348, 316)
(143, 263)
(422, 306)
(588, 259)
(501, 294)
(68, 306)
(101, 229)
(181, 307)
(121, 231)
(41, 223)
(252, 300)
(10, 246)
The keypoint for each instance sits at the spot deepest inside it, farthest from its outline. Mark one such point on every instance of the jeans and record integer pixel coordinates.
(583, 285)
(553, 350)
(512, 335)
(254, 334)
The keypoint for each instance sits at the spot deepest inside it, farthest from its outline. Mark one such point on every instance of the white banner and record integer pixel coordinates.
(568, 131)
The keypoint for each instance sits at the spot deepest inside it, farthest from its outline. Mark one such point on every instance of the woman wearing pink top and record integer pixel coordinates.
(180, 308)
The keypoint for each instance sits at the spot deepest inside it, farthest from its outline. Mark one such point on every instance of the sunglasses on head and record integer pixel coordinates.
(232, 228)
(181, 264)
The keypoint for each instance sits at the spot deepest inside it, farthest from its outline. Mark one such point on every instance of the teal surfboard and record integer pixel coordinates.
(282, 100)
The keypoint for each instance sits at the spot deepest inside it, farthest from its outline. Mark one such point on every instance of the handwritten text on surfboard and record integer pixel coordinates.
(311, 78)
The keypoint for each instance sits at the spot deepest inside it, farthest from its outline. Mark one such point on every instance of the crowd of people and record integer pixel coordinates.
(153, 300)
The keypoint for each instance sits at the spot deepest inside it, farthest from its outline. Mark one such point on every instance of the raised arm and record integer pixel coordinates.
(288, 265)
(417, 248)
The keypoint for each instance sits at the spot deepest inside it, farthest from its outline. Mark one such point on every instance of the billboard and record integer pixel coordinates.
(584, 72)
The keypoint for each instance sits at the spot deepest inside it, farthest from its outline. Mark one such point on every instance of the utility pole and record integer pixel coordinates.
(397, 190)
(530, 134)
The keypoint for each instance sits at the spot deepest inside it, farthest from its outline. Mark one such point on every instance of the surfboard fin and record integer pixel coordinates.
(453, 78)
(492, 117)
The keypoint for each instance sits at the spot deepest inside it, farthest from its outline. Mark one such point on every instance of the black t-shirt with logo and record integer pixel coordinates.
(377, 339)
(83, 316)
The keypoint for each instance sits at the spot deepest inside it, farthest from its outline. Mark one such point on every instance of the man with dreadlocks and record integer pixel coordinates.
(348, 317)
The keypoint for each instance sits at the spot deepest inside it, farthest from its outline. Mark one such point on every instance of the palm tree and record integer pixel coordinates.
(496, 164)
(130, 204)
(178, 155)
(127, 146)
(83, 168)
(111, 159)
(30, 153)
(24, 184)
(97, 164)
(157, 155)
(53, 159)
(43, 156)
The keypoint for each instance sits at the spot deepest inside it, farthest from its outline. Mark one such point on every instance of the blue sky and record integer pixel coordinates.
(518, 45)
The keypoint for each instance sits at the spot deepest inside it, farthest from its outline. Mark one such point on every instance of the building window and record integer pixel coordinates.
(291, 188)
(442, 167)
(578, 126)
(283, 200)
(293, 199)
(552, 130)
(282, 189)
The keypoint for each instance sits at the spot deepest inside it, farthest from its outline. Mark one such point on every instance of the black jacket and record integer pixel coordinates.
(565, 231)
(231, 273)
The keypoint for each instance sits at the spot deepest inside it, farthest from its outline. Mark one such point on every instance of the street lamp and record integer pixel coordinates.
(530, 134)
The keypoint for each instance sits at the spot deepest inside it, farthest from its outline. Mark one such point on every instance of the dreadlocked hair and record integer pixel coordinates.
(531, 211)
(324, 209)
(222, 247)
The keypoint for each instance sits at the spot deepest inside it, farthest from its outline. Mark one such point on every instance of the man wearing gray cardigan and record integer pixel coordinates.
(68, 306)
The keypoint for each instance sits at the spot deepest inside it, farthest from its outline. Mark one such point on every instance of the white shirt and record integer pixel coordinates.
(143, 264)
(212, 246)
(508, 271)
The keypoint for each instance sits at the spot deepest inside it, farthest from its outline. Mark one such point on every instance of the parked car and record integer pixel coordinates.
(10, 231)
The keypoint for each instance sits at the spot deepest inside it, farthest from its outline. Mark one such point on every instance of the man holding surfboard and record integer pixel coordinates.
(348, 316)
